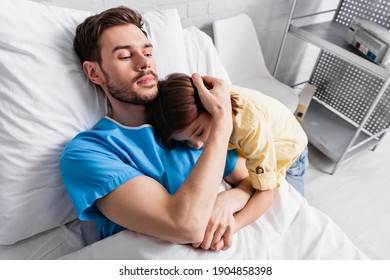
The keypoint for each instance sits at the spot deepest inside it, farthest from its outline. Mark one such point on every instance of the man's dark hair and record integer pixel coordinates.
(86, 41)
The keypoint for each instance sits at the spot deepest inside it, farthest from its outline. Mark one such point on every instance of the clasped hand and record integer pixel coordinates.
(220, 229)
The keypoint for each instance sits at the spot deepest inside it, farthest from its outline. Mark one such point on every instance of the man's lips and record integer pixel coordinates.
(147, 80)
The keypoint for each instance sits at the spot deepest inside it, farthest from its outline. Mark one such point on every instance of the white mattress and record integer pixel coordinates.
(290, 229)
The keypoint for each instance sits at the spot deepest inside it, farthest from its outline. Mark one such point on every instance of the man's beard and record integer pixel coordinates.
(125, 94)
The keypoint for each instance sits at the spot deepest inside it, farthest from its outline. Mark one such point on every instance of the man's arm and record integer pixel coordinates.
(143, 205)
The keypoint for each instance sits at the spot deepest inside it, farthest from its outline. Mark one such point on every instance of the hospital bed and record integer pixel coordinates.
(45, 100)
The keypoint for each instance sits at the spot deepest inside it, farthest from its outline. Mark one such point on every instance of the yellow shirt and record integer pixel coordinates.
(268, 135)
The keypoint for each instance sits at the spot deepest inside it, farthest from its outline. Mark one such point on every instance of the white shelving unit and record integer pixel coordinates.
(350, 110)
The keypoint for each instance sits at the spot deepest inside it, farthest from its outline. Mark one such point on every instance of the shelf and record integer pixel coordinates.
(329, 36)
(349, 111)
(331, 134)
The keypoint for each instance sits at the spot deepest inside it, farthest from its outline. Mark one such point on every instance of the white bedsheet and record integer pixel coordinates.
(291, 229)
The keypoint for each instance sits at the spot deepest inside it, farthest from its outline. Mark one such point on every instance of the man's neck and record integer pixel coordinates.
(129, 114)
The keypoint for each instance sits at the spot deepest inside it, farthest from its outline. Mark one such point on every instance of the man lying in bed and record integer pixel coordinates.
(120, 175)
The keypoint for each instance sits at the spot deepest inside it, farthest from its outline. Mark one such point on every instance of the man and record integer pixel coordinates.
(119, 174)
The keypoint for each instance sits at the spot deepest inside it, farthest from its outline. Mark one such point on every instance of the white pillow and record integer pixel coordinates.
(45, 100)
(202, 56)
(166, 34)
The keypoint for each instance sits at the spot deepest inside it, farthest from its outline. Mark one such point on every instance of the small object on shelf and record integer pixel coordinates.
(304, 101)
(370, 39)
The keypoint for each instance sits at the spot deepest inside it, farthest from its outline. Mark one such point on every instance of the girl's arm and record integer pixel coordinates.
(256, 206)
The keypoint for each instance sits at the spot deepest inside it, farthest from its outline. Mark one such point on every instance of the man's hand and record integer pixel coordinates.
(213, 93)
(228, 203)
(220, 229)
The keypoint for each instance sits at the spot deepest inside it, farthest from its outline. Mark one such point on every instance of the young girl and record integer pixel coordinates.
(264, 130)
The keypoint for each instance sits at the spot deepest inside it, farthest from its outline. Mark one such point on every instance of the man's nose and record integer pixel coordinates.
(143, 62)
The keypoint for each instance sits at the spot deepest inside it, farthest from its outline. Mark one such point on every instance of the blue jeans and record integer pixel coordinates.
(295, 175)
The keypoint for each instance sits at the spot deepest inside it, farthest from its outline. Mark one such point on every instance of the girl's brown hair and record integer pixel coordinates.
(86, 41)
(177, 105)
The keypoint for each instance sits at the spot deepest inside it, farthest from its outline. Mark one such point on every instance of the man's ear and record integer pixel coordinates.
(93, 72)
